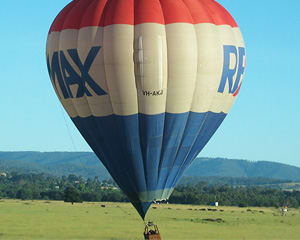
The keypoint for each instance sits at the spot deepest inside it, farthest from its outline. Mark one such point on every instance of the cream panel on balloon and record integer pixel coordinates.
(53, 46)
(88, 38)
(210, 64)
(238, 37)
(119, 68)
(151, 67)
(182, 66)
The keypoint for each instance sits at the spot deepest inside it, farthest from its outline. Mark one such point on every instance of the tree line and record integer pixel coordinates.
(74, 188)
(255, 196)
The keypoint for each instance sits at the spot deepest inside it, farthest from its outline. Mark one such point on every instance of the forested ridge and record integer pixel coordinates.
(87, 165)
(73, 188)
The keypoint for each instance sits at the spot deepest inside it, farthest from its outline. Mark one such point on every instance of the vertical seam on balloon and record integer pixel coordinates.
(184, 160)
(165, 114)
(145, 161)
(137, 97)
(187, 155)
(104, 66)
(106, 79)
(143, 154)
(101, 19)
(206, 114)
(189, 112)
(160, 61)
(205, 5)
(215, 125)
(194, 83)
(138, 115)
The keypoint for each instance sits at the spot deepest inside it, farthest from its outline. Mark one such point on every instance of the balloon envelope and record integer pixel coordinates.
(147, 83)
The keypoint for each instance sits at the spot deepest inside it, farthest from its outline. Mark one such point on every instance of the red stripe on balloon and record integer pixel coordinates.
(82, 13)
(176, 11)
(59, 20)
(118, 12)
(148, 11)
(199, 11)
(220, 14)
(75, 15)
(93, 14)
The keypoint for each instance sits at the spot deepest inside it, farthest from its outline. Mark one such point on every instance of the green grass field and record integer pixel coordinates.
(119, 221)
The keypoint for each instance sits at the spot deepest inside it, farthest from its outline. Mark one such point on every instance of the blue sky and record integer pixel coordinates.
(262, 125)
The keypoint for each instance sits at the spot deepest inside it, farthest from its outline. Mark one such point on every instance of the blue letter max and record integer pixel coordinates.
(62, 70)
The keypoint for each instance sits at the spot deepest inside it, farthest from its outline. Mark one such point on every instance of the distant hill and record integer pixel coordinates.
(86, 164)
(223, 167)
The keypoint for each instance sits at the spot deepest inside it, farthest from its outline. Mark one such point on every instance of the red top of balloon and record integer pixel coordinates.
(84, 13)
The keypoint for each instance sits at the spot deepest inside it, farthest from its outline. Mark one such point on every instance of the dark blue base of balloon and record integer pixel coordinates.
(147, 154)
(142, 208)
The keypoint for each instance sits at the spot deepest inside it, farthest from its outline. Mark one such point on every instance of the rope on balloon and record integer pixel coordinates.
(68, 129)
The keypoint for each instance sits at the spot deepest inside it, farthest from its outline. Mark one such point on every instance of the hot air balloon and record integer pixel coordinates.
(147, 83)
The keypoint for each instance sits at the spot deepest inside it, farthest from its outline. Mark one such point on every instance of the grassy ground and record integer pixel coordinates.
(118, 221)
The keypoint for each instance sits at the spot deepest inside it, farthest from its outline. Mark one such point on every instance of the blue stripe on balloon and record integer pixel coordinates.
(190, 130)
(151, 137)
(210, 124)
(173, 132)
(146, 153)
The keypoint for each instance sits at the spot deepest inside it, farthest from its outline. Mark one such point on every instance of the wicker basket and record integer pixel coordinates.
(152, 234)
